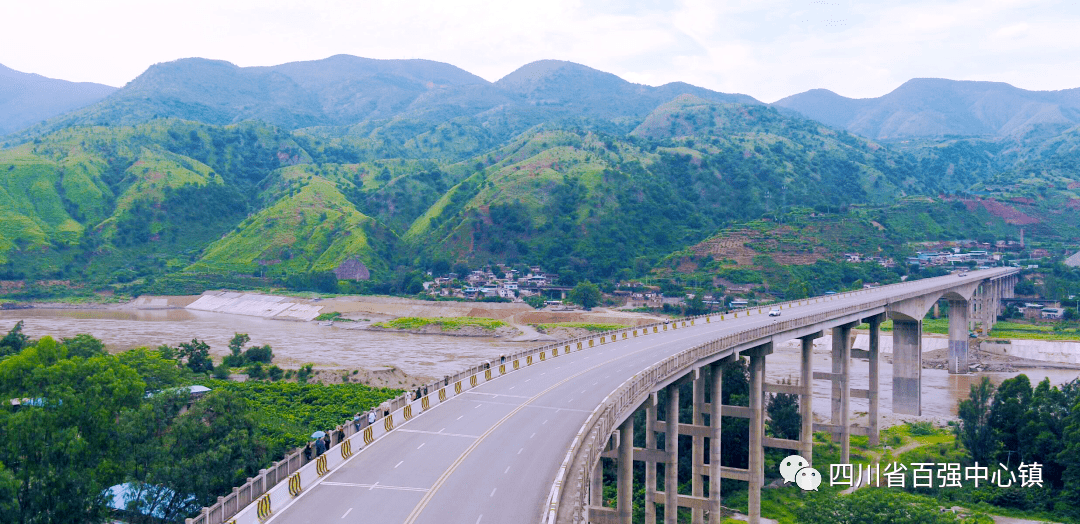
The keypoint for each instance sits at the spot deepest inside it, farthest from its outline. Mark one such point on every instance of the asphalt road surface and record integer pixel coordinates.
(490, 454)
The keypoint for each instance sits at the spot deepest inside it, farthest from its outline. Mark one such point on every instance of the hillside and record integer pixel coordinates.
(27, 99)
(590, 203)
(933, 107)
(277, 175)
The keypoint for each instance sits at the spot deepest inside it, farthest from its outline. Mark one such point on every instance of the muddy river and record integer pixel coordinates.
(296, 343)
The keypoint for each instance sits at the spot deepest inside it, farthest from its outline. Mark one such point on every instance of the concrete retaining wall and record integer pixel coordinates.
(254, 305)
(170, 302)
(1044, 350)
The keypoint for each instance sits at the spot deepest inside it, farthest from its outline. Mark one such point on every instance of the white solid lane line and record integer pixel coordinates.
(398, 464)
(421, 445)
(347, 513)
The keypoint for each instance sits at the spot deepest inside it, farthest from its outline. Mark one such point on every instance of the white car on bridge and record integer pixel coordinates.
(774, 312)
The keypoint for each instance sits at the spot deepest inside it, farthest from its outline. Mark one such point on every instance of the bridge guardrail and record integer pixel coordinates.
(263, 494)
(587, 445)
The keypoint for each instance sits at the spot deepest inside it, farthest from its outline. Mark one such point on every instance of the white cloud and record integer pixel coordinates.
(766, 48)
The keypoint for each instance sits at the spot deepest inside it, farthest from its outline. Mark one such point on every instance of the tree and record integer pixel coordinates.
(264, 354)
(784, 418)
(974, 429)
(201, 453)
(536, 301)
(585, 294)
(157, 371)
(197, 354)
(64, 452)
(83, 345)
(696, 306)
(236, 345)
(1025, 287)
(14, 341)
(1008, 412)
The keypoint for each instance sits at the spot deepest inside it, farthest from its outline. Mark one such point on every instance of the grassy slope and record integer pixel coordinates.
(313, 228)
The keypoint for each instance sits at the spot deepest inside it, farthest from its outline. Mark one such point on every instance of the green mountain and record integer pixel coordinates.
(27, 99)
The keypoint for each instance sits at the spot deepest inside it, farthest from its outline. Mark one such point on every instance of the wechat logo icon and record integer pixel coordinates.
(797, 469)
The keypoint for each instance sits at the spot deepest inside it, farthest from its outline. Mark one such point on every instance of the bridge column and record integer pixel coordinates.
(596, 485)
(650, 466)
(697, 484)
(715, 414)
(973, 310)
(806, 398)
(875, 336)
(907, 366)
(756, 463)
(841, 390)
(958, 336)
(671, 446)
(625, 483)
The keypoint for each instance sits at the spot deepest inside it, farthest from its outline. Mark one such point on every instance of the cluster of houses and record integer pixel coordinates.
(859, 257)
(1042, 310)
(498, 282)
(944, 258)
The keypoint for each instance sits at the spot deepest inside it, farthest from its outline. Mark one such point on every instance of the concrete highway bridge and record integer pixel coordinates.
(520, 440)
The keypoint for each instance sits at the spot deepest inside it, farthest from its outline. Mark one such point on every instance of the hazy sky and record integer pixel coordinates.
(765, 48)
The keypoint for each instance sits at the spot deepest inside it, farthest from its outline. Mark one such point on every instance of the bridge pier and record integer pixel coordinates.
(806, 398)
(756, 455)
(958, 336)
(697, 479)
(715, 414)
(874, 386)
(907, 366)
(650, 465)
(841, 386)
(625, 482)
(671, 446)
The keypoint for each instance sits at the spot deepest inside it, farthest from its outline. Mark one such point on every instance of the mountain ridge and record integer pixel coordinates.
(935, 107)
(28, 98)
(345, 90)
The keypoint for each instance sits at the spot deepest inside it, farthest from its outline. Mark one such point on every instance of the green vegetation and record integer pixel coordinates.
(586, 294)
(288, 412)
(445, 323)
(1038, 425)
(1018, 330)
(879, 506)
(178, 206)
(595, 327)
(99, 419)
(333, 316)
